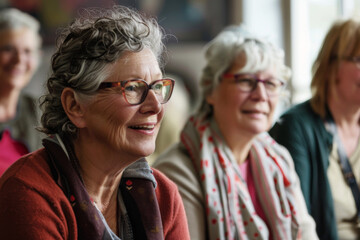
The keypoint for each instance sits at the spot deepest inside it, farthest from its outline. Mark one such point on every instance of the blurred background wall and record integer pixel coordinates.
(297, 26)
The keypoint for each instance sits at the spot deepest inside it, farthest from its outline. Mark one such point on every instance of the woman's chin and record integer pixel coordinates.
(147, 151)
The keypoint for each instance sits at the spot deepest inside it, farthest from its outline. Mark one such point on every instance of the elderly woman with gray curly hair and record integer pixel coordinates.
(102, 112)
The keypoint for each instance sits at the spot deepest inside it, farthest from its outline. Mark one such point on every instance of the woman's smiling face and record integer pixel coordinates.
(18, 57)
(241, 113)
(117, 125)
(347, 88)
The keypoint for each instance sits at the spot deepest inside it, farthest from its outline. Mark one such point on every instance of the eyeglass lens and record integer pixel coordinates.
(249, 84)
(135, 91)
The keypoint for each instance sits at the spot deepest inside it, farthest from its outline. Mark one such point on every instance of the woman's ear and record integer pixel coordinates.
(72, 107)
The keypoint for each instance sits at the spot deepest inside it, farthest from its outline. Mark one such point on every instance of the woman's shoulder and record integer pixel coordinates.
(174, 158)
(301, 111)
(297, 119)
(275, 151)
(166, 193)
(176, 164)
(271, 146)
(176, 151)
(30, 172)
(29, 195)
(171, 208)
(163, 181)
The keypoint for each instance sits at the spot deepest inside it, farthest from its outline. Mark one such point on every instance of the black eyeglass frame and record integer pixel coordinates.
(122, 84)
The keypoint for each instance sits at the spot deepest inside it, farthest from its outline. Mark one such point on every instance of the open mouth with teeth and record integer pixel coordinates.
(143, 127)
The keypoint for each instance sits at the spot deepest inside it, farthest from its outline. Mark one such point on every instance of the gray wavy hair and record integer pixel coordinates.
(221, 52)
(86, 49)
(12, 18)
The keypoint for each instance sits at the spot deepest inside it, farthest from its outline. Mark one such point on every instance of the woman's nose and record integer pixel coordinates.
(18, 56)
(259, 92)
(151, 103)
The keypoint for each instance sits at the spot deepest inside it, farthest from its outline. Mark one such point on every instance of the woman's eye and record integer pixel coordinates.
(130, 88)
(133, 86)
(158, 87)
(246, 81)
(270, 84)
(7, 48)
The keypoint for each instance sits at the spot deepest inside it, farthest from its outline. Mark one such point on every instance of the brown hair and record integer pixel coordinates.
(341, 41)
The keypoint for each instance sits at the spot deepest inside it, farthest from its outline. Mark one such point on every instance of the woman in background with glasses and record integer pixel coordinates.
(235, 180)
(105, 102)
(313, 131)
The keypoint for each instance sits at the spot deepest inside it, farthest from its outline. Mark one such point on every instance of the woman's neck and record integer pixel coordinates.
(102, 184)
(347, 119)
(240, 148)
(101, 181)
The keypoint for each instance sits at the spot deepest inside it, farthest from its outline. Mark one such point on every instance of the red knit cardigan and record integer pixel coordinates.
(32, 205)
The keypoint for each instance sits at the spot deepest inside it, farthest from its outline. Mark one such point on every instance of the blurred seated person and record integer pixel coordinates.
(325, 127)
(235, 180)
(103, 109)
(19, 56)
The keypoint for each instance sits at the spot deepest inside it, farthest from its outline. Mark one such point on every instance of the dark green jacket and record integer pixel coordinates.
(303, 133)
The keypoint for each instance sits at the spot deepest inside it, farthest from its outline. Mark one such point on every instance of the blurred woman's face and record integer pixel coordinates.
(347, 88)
(116, 125)
(240, 113)
(18, 57)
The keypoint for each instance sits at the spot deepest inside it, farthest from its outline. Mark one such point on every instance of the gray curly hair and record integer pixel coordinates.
(86, 49)
(221, 52)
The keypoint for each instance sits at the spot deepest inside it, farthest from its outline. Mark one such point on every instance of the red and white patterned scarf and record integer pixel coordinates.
(229, 208)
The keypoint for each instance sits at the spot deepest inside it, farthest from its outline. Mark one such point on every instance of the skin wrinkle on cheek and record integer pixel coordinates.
(107, 106)
(116, 133)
